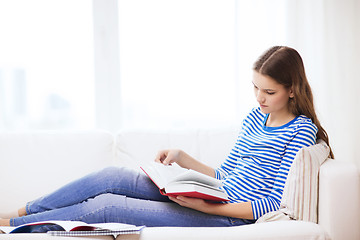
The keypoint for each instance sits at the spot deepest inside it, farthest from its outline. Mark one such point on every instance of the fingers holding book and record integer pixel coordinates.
(168, 156)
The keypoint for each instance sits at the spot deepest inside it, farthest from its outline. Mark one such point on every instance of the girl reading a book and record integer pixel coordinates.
(253, 174)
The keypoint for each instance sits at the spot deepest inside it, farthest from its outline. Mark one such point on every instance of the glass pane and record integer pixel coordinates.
(46, 64)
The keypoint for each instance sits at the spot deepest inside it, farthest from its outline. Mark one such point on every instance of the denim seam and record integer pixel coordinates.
(27, 209)
(12, 222)
(124, 191)
(80, 218)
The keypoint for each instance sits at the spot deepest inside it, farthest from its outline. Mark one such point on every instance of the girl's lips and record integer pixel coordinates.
(263, 105)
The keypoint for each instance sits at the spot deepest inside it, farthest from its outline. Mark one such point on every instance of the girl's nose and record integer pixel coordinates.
(260, 97)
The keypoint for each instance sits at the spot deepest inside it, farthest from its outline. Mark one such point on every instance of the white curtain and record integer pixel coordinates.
(327, 34)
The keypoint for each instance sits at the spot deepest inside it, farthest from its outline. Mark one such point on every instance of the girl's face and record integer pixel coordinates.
(272, 96)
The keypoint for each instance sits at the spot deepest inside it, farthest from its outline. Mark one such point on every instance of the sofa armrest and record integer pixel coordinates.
(339, 199)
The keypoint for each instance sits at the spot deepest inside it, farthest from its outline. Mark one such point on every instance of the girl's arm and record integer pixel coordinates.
(236, 210)
(184, 160)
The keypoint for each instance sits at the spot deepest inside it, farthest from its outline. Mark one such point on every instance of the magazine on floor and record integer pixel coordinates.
(74, 228)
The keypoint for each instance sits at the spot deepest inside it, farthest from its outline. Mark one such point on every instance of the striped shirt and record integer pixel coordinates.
(257, 166)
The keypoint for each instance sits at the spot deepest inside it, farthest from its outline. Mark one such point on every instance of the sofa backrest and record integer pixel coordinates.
(210, 146)
(35, 163)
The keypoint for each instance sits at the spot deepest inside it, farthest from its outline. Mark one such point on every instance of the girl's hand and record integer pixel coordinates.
(194, 203)
(167, 157)
(236, 210)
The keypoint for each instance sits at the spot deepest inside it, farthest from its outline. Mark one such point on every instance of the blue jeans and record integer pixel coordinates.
(117, 195)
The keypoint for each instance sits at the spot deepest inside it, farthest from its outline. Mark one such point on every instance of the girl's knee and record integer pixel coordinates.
(109, 170)
(109, 173)
(116, 171)
(116, 176)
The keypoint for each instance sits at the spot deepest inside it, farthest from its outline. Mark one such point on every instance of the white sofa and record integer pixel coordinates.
(35, 163)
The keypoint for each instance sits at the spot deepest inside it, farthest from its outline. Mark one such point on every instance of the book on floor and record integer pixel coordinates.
(74, 228)
(173, 180)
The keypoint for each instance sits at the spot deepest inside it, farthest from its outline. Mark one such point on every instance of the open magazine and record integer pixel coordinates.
(173, 180)
(74, 228)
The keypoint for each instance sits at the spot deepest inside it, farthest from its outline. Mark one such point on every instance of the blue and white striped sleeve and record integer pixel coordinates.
(303, 137)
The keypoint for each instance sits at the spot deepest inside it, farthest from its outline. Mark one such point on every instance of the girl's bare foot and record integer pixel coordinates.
(22, 212)
(4, 222)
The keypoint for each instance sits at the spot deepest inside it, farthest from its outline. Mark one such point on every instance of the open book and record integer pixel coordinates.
(74, 228)
(174, 180)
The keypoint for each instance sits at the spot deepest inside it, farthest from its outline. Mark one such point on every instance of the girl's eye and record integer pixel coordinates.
(270, 93)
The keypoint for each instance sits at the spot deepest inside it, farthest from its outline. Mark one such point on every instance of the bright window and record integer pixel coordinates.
(46, 64)
(177, 62)
(188, 63)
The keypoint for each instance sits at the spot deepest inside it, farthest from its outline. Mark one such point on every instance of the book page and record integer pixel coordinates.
(191, 175)
(161, 174)
(196, 190)
(6, 229)
(182, 183)
(112, 226)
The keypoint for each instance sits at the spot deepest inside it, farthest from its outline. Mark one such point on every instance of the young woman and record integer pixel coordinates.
(253, 174)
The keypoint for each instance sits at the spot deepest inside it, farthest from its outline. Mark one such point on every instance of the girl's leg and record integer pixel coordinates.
(117, 208)
(114, 180)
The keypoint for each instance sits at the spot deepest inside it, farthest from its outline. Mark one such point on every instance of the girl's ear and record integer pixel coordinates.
(291, 93)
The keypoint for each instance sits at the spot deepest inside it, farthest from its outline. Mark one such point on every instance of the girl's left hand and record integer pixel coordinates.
(194, 203)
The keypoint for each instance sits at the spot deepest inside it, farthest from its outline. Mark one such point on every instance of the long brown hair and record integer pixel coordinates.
(285, 66)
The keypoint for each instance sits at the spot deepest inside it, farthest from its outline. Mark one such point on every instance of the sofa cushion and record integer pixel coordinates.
(210, 146)
(35, 163)
(300, 196)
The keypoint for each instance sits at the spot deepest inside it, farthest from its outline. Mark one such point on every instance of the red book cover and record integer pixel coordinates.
(174, 181)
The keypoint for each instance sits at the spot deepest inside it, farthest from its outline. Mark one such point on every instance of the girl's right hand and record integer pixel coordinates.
(169, 156)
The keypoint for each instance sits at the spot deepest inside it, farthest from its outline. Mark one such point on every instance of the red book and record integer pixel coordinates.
(174, 180)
